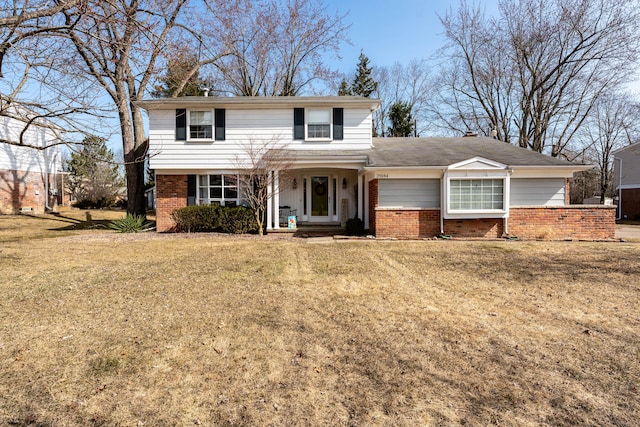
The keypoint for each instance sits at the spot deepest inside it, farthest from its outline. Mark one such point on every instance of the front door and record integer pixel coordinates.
(320, 200)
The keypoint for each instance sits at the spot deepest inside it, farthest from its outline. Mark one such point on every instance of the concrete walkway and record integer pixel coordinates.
(628, 232)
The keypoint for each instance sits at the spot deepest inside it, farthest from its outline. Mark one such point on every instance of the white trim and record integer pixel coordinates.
(490, 164)
(306, 124)
(276, 199)
(360, 195)
(629, 186)
(213, 126)
(270, 206)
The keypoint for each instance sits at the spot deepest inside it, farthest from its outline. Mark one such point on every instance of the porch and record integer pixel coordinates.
(315, 199)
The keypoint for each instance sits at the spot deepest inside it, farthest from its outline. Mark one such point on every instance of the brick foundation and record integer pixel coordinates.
(630, 206)
(373, 203)
(548, 223)
(23, 190)
(171, 194)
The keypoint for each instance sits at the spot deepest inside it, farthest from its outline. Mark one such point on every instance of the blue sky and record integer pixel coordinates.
(393, 31)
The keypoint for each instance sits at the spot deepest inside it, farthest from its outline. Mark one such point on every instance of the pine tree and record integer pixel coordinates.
(94, 178)
(344, 89)
(401, 119)
(177, 67)
(363, 83)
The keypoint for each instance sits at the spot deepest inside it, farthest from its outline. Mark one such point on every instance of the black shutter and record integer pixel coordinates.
(191, 190)
(298, 123)
(338, 123)
(181, 125)
(220, 123)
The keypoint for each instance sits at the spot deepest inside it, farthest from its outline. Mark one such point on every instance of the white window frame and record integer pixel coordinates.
(451, 213)
(307, 114)
(213, 125)
(205, 199)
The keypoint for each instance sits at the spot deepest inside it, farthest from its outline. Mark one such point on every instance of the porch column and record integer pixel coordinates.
(276, 199)
(366, 203)
(360, 188)
(269, 203)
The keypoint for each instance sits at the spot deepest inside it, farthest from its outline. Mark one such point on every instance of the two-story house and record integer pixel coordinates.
(626, 177)
(27, 175)
(399, 187)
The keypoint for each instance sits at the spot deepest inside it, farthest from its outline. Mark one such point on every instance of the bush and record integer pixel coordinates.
(238, 220)
(131, 224)
(197, 218)
(355, 226)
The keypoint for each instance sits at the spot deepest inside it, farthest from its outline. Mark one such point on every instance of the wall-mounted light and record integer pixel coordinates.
(344, 183)
(294, 184)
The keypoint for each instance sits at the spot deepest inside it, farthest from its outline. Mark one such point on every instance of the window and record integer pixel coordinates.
(218, 190)
(319, 124)
(476, 194)
(200, 125)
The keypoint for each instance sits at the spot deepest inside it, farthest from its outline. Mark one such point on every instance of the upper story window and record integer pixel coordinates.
(200, 125)
(196, 125)
(318, 124)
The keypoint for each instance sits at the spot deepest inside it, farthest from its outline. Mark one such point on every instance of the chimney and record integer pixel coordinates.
(470, 134)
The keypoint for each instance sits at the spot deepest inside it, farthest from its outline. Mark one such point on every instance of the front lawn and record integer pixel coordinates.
(99, 328)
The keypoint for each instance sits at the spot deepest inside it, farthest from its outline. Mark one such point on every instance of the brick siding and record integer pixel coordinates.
(373, 203)
(630, 204)
(564, 222)
(171, 194)
(18, 190)
(548, 223)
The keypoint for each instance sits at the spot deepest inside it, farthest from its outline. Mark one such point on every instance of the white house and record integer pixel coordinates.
(399, 187)
(626, 178)
(27, 175)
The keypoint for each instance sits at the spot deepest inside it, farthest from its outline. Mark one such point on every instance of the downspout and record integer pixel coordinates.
(442, 202)
(46, 181)
(619, 216)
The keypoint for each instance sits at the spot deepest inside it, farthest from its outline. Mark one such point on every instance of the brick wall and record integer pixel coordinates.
(373, 203)
(630, 206)
(555, 223)
(548, 223)
(171, 194)
(406, 223)
(20, 189)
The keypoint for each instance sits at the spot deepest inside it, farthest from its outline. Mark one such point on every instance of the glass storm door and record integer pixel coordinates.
(320, 198)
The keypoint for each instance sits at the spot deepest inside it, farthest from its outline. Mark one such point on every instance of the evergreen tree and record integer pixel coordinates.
(94, 178)
(344, 89)
(401, 119)
(177, 67)
(363, 83)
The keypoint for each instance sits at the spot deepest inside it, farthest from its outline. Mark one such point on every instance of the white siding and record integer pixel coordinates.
(537, 192)
(245, 127)
(28, 159)
(409, 193)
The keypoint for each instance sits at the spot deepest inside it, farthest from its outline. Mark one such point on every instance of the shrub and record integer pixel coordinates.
(131, 224)
(197, 218)
(238, 220)
(355, 226)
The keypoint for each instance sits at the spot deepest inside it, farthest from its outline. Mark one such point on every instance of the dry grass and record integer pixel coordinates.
(106, 329)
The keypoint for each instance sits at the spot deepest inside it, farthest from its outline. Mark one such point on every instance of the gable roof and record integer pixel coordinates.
(440, 153)
(398, 152)
(256, 102)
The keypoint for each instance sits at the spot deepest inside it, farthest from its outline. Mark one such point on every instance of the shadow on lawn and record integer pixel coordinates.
(74, 223)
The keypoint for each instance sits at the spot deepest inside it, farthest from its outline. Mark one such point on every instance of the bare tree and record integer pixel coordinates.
(264, 168)
(613, 123)
(535, 73)
(120, 43)
(277, 46)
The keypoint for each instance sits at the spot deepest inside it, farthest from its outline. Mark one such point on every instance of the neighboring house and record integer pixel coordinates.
(626, 177)
(399, 187)
(27, 175)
